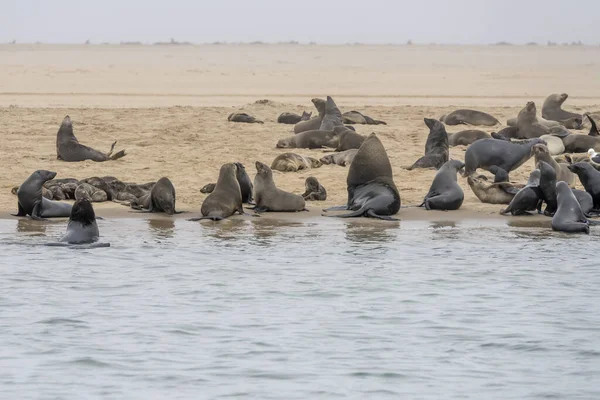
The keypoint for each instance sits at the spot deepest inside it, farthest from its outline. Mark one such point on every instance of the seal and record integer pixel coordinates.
(527, 124)
(270, 198)
(539, 120)
(332, 117)
(93, 194)
(465, 138)
(568, 216)
(31, 202)
(593, 128)
(226, 199)
(293, 118)
(208, 188)
(309, 140)
(445, 193)
(291, 162)
(552, 110)
(314, 190)
(586, 202)
(469, 117)
(572, 158)
(370, 184)
(509, 156)
(82, 226)
(355, 117)
(347, 139)
(61, 189)
(243, 117)
(314, 123)
(436, 146)
(541, 153)
(160, 199)
(576, 143)
(47, 193)
(69, 149)
(526, 199)
(492, 193)
(590, 179)
(548, 188)
(343, 158)
(244, 181)
(554, 143)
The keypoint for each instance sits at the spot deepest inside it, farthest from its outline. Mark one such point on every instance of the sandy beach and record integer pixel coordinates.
(168, 106)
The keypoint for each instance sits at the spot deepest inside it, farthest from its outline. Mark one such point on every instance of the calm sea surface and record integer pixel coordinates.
(314, 309)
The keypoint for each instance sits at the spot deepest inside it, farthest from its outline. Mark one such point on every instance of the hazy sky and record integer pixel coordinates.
(323, 21)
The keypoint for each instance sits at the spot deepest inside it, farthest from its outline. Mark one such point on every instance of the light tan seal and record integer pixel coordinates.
(243, 117)
(343, 158)
(314, 190)
(291, 162)
(490, 192)
(270, 198)
(541, 153)
(226, 199)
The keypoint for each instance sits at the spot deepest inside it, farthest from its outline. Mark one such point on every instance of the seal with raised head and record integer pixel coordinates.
(314, 190)
(590, 179)
(444, 192)
(293, 118)
(269, 197)
(69, 149)
(291, 162)
(226, 199)
(568, 216)
(332, 117)
(469, 117)
(343, 158)
(552, 110)
(526, 199)
(243, 117)
(467, 137)
(92, 193)
(348, 139)
(541, 153)
(527, 124)
(31, 202)
(314, 123)
(492, 192)
(509, 156)
(436, 146)
(370, 184)
(548, 188)
(243, 180)
(160, 199)
(309, 140)
(82, 227)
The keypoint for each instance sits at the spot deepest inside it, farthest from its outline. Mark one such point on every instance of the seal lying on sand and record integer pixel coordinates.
(332, 117)
(492, 193)
(160, 199)
(31, 202)
(590, 179)
(436, 147)
(445, 193)
(465, 138)
(509, 156)
(243, 117)
(551, 110)
(314, 123)
(554, 143)
(526, 199)
(268, 197)
(292, 118)
(576, 143)
(309, 140)
(469, 117)
(244, 181)
(82, 227)
(93, 194)
(371, 188)
(541, 153)
(348, 139)
(314, 190)
(68, 147)
(568, 217)
(343, 158)
(291, 162)
(355, 117)
(226, 199)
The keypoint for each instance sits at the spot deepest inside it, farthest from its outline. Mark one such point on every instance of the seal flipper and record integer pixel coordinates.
(358, 213)
(36, 212)
(372, 214)
(21, 212)
(336, 208)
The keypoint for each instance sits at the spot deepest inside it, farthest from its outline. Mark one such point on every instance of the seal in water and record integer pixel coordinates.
(469, 117)
(554, 143)
(160, 199)
(343, 158)
(465, 138)
(332, 117)
(82, 227)
(314, 123)
(226, 199)
(292, 118)
(314, 190)
(436, 146)
(509, 156)
(492, 193)
(268, 197)
(445, 193)
(371, 188)
(92, 193)
(355, 117)
(243, 180)
(590, 179)
(31, 202)
(548, 188)
(243, 117)
(348, 139)
(69, 149)
(309, 140)
(526, 199)
(551, 109)
(541, 153)
(568, 217)
(291, 162)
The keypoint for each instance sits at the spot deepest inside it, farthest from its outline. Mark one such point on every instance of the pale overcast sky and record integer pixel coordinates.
(322, 21)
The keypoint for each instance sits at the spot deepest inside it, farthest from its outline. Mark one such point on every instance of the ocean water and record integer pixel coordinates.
(310, 309)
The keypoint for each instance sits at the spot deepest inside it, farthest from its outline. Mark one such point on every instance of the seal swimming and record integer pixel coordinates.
(552, 110)
(436, 146)
(69, 149)
(270, 198)
(226, 199)
(469, 117)
(568, 216)
(370, 184)
(314, 190)
(31, 202)
(82, 227)
(445, 193)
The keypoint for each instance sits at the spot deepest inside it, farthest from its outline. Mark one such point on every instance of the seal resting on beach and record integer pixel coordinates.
(436, 146)
(554, 143)
(568, 216)
(243, 117)
(343, 158)
(293, 118)
(314, 190)
(226, 199)
(541, 153)
(314, 123)
(370, 184)
(291, 162)
(348, 139)
(270, 198)
(93, 194)
(160, 199)
(526, 199)
(31, 202)
(590, 179)
(578, 143)
(355, 117)
(469, 117)
(492, 192)
(69, 149)
(465, 138)
(309, 140)
(82, 227)
(552, 110)
(444, 192)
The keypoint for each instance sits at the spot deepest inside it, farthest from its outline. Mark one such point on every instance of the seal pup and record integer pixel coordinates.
(509, 156)
(343, 158)
(541, 153)
(492, 193)
(293, 118)
(69, 149)
(31, 202)
(160, 199)
(554, 143)
(332, 117)
(314, 190)
(348, 139)
(526, 199)
(208, 188)
(82, 226)
(314, 123)
(444, 192)
(291, 162)
(552, 110)
(370, 184)
(548, 188)
(465, 138)
(469, 117)
(270, 198)
(226, 199)
(568, 216)
(436, 146)
(92, 193)
(315, 139)
(590, 179)
(243, 117)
